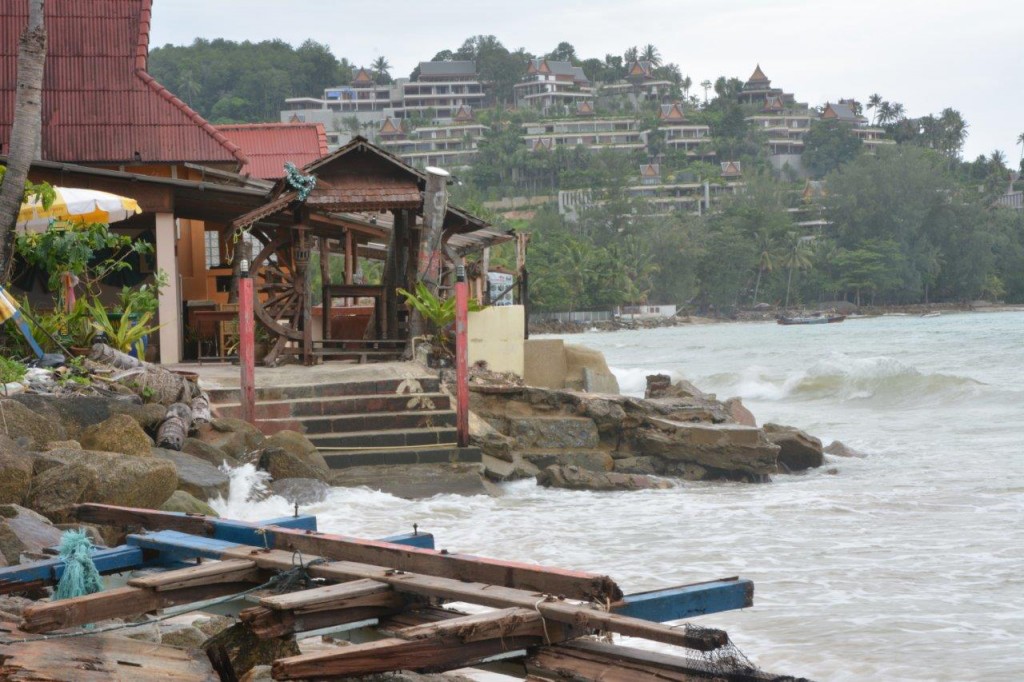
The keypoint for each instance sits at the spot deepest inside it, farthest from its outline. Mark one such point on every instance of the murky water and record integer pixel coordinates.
(905, 565)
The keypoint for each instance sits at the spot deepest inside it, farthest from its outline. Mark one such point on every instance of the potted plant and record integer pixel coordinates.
(125, 333)
(439, 316)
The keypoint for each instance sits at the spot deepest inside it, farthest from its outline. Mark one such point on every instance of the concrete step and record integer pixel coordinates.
(436, 455)
(337, 406)
(418, 384)
(384, 438)
(347, 423)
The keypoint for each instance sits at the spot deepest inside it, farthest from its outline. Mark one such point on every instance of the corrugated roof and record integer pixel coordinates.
(270, 145)
(99, 103)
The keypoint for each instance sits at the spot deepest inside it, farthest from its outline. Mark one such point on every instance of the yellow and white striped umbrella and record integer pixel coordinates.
(77, 205)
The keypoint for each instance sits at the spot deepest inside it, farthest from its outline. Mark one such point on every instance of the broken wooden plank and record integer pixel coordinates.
(232, 570)
(267, 622)
(100, 658)
(195, 583)
(322, 598)
(396, 654)
(687, 601)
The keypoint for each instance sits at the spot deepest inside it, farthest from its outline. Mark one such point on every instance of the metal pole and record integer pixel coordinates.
(461, 356)
(246, 344)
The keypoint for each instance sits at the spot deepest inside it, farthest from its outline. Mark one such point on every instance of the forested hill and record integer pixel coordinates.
(229, 82)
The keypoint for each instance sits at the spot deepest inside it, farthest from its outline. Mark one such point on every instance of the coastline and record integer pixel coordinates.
(864, 312)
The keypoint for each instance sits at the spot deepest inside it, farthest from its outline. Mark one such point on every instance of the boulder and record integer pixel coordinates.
(301, 491)
(237, 439)
(20, 421)
(661, 386)
(103, 477)
(245, 650)
(181, 501)
(259, 673)
(644, 466)
(499, 470)
(553, 432)
(16, 468)
(730, 451)
(797, 450)
(120, 433)
(574, 478)
(208, 453)
(280, 463)
(838, 449)
(63, 445)
(739, 413)
(76, 413)
(196, 476)
(181, 635)
(590, 460)
(23, 531)
(490, 441)
(587, 370)
(299, 446)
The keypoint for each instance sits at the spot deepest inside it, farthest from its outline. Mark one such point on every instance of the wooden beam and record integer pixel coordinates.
(232, 570)
(321, 598)
(688, 601)
(267, 622)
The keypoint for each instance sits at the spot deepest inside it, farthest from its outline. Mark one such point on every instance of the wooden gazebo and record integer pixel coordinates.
(365, 202)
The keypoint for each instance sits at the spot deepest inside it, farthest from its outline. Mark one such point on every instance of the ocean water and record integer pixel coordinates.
(906, 564)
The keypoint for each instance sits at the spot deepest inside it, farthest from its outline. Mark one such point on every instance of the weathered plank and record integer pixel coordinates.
(321, 598)
(101, 658)
(230, 571)
(267, 622)
(396, 654)
(687, 601)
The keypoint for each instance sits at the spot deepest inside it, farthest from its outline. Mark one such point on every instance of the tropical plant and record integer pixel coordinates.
(144, 298)
(381, 70)
(11, 370)
(126, 332)
(439, 314)
(797, 257)
(651, 54)
(765, 254)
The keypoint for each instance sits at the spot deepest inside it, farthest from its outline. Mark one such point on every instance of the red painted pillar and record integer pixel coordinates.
(246, 344)
(461, 356)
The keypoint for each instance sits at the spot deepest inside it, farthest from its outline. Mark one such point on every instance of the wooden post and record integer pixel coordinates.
(325, 287)
(461, 356)
(428, 265)
(522, 240)
(301, 246)
(247, 344)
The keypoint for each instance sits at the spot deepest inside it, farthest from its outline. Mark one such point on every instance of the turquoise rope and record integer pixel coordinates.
(80, 575)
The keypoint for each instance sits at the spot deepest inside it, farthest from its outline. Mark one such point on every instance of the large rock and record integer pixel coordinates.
(797, 450)
(587, 370)
(196, 476)
(103, 477)
(120, 433)
(490, 441)
(208, 453)
(574, 478)
(181, 501)
(553, 432)
(739, 413)
(245, 650)
(301, 491)
(730, 451)
(839, 449)
(23, 531)
(20, 421)
(590, 460)
(15, 472)
(661, 386)
(237, 439)
(280, 463)
(76, 413)
(297, 445)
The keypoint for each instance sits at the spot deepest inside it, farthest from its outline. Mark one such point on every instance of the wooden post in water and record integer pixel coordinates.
(461, 356)
(247, 344)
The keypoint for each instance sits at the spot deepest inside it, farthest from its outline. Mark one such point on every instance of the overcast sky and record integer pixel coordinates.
(927, 54)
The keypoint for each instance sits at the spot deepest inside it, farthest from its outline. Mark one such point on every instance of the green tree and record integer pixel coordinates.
(796, 256)
(381, 70)
(651, 54)
(766, 246)
(828, 145)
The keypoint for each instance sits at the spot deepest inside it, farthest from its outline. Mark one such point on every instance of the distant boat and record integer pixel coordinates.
(815, 319)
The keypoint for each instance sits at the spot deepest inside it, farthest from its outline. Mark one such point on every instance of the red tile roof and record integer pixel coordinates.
(270, 145)
(99, 103)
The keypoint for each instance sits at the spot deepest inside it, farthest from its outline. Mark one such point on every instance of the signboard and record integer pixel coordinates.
(500, 286)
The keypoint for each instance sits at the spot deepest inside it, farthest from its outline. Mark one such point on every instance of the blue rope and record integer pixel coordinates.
(80, 575)
(303, 183)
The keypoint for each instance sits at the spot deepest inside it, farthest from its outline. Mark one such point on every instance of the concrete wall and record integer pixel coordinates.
(545, 363)
(496, 336)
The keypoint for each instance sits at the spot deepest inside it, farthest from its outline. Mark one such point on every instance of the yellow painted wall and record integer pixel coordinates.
(496, 336)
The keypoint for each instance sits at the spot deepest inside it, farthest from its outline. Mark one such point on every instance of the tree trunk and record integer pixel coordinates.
(789, 282)
(25, 131)
(757, 286)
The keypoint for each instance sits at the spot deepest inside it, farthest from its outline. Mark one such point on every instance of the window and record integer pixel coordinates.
(212, 249)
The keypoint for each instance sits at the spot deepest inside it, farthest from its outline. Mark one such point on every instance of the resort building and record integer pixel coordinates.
(451, 147)
(441, 89)
(679, 134)
(639, 86)
(553, 87)
(848, 111)
(758, 90)
(603, 133)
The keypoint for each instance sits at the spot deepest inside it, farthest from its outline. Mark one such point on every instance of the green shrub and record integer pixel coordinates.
(11, 370)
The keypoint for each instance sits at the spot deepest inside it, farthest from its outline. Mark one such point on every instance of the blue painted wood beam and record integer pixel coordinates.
(49, 571)
(687, 601)
(246, 533)
(421, 540)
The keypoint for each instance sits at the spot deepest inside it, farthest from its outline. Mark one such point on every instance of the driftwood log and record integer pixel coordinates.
(151, 382)
(201, 410)
(174, 428)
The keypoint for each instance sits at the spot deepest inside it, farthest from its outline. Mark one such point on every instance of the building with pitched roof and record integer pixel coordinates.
(553, 87)
(269, 146)
(639, 85)
(441, 89)
(594, 134)
(679, 134)
(847, 111)
(758, 90)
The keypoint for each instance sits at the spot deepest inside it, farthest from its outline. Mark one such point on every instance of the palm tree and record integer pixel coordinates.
(998, 161)
(687, 83)
(190, 87)
(706, 84)
(766, 248)
(884, 113)
(796, 258)
(1020, 141)
(873, 102)
(630, 56)
(26, 129)
(650, 54)
(381, 69)
(898, 112)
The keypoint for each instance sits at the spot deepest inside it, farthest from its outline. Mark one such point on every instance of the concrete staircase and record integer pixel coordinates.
(360, 423)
